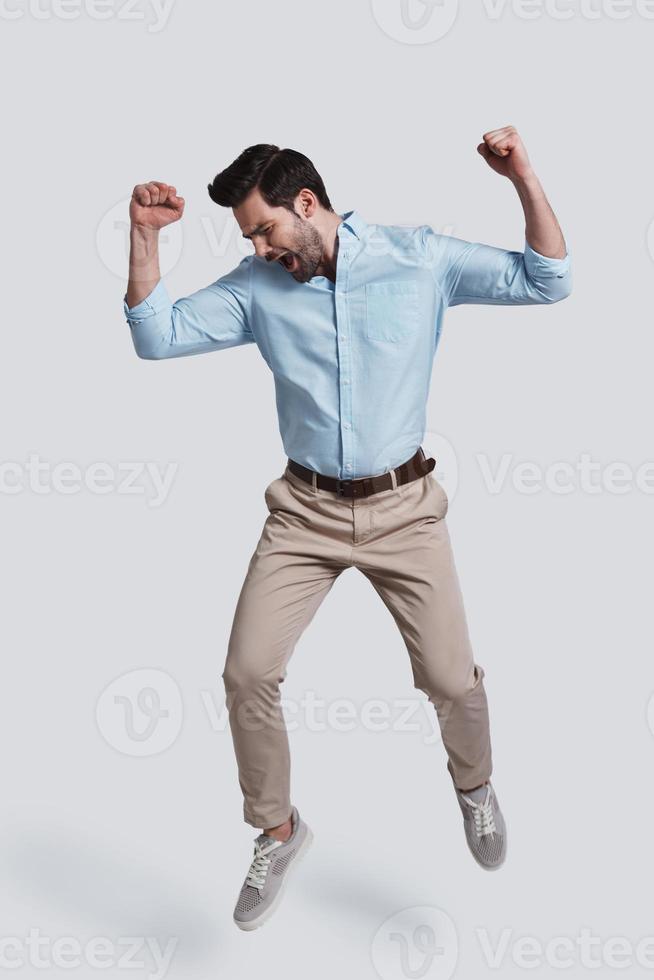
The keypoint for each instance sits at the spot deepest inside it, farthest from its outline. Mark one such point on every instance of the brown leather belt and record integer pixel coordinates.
(415, 467)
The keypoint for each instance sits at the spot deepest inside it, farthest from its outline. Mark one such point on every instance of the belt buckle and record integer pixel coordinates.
(339, 484)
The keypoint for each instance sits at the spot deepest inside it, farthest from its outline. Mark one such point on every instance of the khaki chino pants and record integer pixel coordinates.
(399, 539)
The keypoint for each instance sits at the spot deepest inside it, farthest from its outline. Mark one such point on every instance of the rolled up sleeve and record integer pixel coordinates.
(553, 277)
(157, 307)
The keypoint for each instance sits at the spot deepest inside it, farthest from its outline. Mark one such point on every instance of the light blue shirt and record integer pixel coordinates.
(351, 360)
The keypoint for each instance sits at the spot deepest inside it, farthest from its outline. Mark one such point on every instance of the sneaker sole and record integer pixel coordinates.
(252, 924)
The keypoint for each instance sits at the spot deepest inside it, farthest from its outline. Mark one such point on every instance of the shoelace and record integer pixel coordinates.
(256, 876)
(483, 815)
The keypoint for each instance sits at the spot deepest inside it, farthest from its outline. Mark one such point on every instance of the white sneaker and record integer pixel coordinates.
(264, 883)
(484, 826)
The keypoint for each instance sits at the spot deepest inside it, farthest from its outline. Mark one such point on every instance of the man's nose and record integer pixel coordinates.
(262, 249)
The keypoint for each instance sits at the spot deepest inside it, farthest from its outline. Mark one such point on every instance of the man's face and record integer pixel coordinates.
(279, 235)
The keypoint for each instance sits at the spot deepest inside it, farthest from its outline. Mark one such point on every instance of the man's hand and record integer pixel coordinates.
(155, 205)
(504, 151)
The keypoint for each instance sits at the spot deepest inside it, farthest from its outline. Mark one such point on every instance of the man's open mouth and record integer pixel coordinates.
(289, 261)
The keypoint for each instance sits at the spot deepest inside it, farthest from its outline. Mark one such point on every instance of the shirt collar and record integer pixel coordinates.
(354, 223)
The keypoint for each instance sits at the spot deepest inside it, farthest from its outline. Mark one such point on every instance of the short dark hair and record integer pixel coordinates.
(278, 174)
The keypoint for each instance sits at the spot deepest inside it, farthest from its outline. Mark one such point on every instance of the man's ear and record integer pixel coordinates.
(306, 203)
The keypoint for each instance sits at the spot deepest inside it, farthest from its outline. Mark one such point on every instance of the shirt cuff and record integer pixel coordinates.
(543, 266)
(155, 302)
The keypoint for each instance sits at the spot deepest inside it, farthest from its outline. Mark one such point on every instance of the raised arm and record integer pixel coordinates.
(505, 153)
(153, 206)
(471, 272)
(212, 318)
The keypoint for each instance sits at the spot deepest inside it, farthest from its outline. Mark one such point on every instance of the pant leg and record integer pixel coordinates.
(407, 556)
(297, 560)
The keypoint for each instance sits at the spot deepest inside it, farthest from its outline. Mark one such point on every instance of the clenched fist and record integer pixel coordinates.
(155, 205)
(504, 151)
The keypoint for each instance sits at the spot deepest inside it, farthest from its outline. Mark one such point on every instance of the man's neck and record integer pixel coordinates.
(330, 239)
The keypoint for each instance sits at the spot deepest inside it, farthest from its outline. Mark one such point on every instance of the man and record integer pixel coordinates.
(348, 316)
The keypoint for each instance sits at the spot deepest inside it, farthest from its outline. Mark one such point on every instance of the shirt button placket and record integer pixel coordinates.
(345, 364)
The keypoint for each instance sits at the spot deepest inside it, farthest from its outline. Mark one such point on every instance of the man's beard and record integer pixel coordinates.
(307, 249)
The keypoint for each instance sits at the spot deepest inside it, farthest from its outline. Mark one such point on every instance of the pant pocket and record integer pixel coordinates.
(270, 494)
(439, 496)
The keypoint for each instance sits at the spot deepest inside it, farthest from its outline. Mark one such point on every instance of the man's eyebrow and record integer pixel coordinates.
(255, 231)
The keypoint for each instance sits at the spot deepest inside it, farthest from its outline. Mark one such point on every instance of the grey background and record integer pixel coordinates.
(98, 842)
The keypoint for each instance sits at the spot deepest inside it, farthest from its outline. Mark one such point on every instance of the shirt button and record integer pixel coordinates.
(348, 466)
(346, 381)
(348, 425)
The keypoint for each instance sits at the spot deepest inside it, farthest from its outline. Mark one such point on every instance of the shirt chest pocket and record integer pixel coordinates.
(391, 310)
